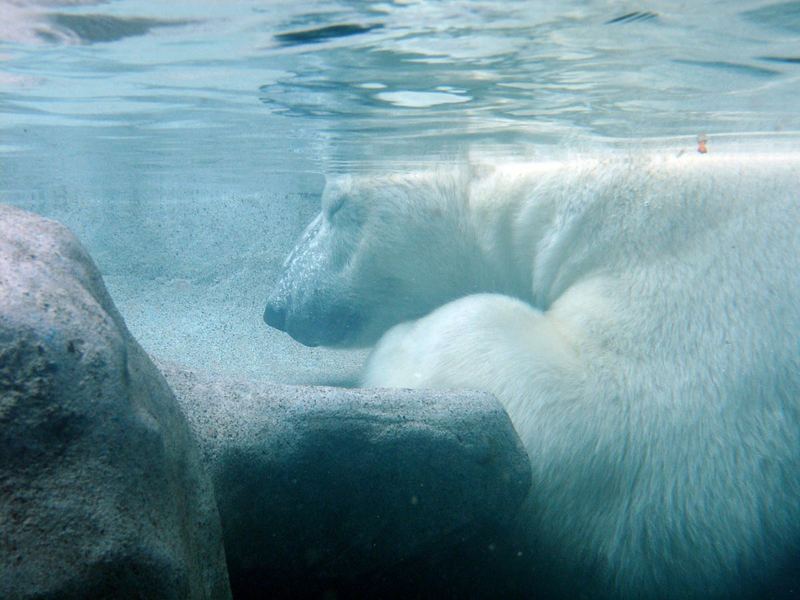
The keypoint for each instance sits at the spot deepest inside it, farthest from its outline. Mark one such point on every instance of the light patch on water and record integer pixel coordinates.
(409, 99)
(450, 89)
(178, 124)
(205, 77)
(12, 80)
(20, 23)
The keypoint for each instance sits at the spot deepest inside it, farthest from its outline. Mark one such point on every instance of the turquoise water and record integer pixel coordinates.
(303, 85)
(186, 142)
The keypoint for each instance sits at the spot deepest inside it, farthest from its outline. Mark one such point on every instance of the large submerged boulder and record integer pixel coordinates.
(347, 492)
(102, 491)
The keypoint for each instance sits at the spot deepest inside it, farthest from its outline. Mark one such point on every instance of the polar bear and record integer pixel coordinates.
(638, 317)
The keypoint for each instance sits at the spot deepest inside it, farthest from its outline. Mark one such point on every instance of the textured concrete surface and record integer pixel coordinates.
(102, 491)
(320, 484)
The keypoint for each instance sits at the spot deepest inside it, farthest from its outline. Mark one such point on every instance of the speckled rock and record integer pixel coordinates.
(322, 484)
(102, 491)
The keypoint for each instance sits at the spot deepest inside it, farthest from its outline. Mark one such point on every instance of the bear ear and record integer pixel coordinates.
(337, 189)
(480, 169)
(339, 184)
(479, 164)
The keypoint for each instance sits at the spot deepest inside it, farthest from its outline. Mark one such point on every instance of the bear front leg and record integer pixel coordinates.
(487, 342)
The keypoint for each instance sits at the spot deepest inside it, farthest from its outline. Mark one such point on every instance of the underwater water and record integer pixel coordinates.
(186, 143)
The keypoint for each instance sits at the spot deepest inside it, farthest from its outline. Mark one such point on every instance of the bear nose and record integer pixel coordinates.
(275, 314)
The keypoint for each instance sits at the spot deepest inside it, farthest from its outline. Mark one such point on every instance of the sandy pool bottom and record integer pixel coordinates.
(218, 328)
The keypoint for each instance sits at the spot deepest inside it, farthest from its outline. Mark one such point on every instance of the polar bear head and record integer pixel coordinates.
(383, 250)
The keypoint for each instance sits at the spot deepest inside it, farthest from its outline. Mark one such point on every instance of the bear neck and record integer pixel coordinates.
(526, 221)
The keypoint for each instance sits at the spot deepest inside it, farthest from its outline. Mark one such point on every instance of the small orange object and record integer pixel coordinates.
(701, 144)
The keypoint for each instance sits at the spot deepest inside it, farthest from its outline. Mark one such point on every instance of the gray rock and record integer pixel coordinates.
(102, 491)
(319, 483)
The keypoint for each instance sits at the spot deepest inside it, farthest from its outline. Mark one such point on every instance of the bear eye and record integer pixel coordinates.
(334, 207)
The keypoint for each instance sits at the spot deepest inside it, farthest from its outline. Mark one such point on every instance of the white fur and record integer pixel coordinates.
(640, 321)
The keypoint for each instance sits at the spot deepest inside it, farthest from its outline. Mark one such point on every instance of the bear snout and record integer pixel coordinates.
(315, 323)
(275, 314)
